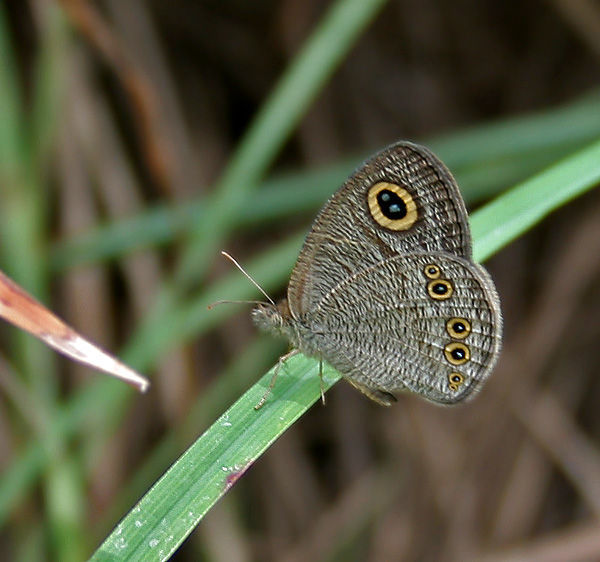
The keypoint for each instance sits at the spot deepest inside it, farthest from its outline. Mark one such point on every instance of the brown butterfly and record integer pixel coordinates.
(385, 288)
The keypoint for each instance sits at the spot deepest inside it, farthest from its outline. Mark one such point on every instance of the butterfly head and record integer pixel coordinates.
(272, 318)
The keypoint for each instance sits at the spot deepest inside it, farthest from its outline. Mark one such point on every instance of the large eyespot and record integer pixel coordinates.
(458, 328)
(392, 206)
(457, 353)
(440, 289)
(432, 271)
(455, 381)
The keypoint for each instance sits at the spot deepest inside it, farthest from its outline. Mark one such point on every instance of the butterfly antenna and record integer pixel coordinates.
(232, 260)
(226, 301)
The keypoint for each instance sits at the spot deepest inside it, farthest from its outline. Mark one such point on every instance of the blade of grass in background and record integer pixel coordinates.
(165, 516)
(11, 125)
(520, 208)
(510, 138)
(49, 78)
(483, 159)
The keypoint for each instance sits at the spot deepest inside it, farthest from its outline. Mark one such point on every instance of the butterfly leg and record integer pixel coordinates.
(379, 396)
(321, 381)
(280, 362)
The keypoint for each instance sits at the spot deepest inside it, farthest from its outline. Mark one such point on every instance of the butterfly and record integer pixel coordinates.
(385, 288)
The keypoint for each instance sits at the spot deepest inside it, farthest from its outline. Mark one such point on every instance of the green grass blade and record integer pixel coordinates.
(287, 195)
(50, 71)
(179, 500)
(12, 138)
(518, 210)
(158, 524)
(510, 138)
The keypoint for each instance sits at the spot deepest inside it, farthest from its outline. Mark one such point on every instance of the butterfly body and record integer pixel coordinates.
(385, 289)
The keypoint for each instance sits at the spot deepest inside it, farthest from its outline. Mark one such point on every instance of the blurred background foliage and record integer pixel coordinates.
(136, 141)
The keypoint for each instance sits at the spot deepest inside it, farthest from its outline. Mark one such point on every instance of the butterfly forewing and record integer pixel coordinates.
(346, 237)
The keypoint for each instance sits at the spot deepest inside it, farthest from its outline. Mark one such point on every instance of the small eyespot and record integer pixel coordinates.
(457, 353)
(432, 271)
(455, 381)
(458, 328)
(392, 206)
(440, 289)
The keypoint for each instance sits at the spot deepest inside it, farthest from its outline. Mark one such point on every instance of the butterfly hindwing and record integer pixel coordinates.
(428, 323)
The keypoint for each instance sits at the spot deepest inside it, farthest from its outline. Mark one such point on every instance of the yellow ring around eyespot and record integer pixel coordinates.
(435, 289)
(455, 380)
(452, 325)
(453, 352)
(432, 271)
(406, 221)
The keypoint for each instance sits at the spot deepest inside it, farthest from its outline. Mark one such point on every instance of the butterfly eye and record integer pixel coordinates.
(432, 271)
(457, 353)
(458, 328)
(391, 206)
(455, 380)
(440, 289)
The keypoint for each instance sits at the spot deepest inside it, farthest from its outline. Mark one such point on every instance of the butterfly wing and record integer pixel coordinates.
(435, 330)
(358, 228)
